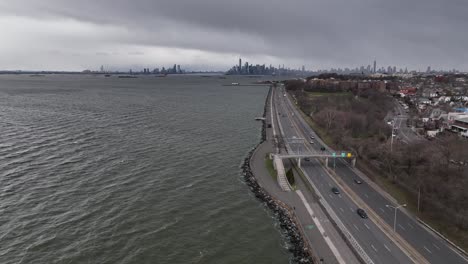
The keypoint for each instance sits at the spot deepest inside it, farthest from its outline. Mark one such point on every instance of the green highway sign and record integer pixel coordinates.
(343, 154)
(334, 154)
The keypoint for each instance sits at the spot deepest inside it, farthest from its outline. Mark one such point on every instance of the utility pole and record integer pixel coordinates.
(396, 209)
(391, 140)
(419, 196)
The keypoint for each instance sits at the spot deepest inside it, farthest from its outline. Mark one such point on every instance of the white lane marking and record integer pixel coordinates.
(356, 227)
(410, 225)
(383, 211)
(436, 246)
(341, 209)
(427, 249)
(320, 228)
(331, 196)
(387, 248)
(401, 227)
(373, 248)
(367, 226)
(367, 196)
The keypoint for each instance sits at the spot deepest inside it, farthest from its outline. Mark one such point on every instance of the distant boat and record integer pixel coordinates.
(259, 118)
(107, 75)
(161, 75)
(234, 83)
(127, 76)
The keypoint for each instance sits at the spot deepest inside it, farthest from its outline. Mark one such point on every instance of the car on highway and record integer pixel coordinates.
(335, 190)
(312, 137)
(322, 148)
(357, 181)
(362, 213)
(311, 142)
(307, 159)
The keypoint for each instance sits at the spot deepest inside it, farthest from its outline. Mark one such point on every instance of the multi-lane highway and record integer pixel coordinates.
(375, 240)
(376, 244)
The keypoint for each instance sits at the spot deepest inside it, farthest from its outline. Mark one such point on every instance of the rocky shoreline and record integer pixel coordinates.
(298, 247)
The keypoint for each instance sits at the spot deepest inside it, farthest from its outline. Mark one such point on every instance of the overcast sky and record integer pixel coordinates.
(212, 34)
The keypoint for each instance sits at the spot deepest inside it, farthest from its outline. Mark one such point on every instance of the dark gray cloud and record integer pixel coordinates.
(321, 33)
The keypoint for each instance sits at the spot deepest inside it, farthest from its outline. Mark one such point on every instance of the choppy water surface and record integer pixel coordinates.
(108, 170)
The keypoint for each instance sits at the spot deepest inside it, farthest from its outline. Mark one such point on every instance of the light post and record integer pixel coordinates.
(393, 129)
(396, 209)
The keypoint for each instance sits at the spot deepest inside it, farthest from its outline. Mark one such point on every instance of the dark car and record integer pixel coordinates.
(269, 125)
(362, 213)
(312, 137)
(357, 181)
(322, 148)
(307, 159)
(335, 190)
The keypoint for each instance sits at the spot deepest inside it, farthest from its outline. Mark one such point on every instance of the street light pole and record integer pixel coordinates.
(393, 129)
(396, 209)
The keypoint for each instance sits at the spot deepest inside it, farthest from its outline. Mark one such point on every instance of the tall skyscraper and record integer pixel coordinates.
(240, 65)
(178, 69)
(375, 66)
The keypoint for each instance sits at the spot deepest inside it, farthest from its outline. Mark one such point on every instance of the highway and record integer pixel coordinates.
(405, 133)
(371, 239)
(370, 236)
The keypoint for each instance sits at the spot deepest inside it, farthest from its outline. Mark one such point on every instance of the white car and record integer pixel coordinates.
(311, 142)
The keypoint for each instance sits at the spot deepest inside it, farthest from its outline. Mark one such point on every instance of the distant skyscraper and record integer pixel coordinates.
(375, 66)
(178, 69)
(102, 68)
(428, 69)
(240, 65)
(303, 68)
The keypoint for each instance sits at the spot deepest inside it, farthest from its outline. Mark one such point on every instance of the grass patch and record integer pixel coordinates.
(290, 177)
(270, 168)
